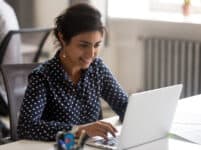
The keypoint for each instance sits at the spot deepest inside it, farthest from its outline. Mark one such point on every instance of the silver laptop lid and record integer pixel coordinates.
(149, 116)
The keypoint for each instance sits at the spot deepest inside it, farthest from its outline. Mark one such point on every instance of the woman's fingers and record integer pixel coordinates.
(100, 133)
(103, 135)
(108, 127)
(99, 128)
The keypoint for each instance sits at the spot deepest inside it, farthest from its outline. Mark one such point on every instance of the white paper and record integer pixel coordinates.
(191, 132)
(189, 111)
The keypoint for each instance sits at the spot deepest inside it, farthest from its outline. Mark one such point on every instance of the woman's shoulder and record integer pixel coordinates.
(44, 69)
(39, 71)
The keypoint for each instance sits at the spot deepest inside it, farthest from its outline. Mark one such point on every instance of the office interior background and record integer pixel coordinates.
(150, 43)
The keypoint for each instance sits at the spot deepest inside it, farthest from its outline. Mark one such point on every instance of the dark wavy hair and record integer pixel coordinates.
(78, 19)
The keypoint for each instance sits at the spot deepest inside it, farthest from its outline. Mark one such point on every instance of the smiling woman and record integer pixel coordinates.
(64, 92)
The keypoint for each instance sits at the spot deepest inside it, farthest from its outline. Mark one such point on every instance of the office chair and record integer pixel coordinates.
(28, 40)
(15, 79)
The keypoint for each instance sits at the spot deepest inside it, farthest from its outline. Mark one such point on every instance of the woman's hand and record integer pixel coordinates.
(98, 128)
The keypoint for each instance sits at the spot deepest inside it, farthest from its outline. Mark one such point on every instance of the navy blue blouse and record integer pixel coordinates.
(53, 103)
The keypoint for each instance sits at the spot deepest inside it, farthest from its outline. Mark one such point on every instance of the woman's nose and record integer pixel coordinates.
(91, 52)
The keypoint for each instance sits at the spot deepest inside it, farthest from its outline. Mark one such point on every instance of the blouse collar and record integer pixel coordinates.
(59, 72)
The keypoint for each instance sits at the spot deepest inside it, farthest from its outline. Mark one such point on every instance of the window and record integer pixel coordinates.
(126, 8)
(174, 6)
(131, 8)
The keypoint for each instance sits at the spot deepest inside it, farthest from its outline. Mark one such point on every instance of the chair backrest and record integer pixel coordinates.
(15, 79)
(27, 40)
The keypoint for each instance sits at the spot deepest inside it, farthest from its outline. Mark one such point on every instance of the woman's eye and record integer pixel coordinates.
(83, 45)
(98, 45)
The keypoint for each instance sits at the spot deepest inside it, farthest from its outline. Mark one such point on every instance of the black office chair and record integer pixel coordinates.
(15, 80)
(28, 39)
(31, 42)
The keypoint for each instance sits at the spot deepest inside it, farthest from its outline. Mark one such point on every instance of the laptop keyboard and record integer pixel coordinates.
(112, 141)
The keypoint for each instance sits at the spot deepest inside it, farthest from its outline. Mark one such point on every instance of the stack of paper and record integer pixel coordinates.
(187, 121)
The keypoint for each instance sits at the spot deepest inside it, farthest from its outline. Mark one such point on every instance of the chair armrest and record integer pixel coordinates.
(5, 140)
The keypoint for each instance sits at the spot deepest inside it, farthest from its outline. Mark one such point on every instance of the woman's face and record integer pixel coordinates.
(82, 49)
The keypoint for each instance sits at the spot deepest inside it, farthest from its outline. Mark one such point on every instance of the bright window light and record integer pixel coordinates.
(126, 8)
(131, 8)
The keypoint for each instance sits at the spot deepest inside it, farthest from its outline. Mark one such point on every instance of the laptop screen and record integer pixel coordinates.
(148, 118)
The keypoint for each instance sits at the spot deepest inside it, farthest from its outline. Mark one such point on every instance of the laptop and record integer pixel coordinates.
(148, 117)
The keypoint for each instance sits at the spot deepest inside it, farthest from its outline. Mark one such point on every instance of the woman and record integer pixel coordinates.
(63, 93)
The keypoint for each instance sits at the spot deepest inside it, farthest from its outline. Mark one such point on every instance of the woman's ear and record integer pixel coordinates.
(61, 39)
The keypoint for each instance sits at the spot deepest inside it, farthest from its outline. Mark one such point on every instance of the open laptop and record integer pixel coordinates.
(148, 118)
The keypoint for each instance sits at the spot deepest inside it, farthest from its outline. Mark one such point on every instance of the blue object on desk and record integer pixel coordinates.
(62, 145)
(69, 140)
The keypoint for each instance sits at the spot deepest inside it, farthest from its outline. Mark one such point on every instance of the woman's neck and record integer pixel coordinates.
(73, 72)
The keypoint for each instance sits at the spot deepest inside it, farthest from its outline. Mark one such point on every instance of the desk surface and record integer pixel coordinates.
(27, 145)
(163, 144)
(38, 145)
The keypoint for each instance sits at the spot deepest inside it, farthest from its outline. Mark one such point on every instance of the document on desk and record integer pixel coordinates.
(189, 111)
(190, 132)
(187, 120)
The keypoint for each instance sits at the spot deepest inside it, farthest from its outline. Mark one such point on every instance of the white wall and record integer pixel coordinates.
(46, 11)
(127, 49)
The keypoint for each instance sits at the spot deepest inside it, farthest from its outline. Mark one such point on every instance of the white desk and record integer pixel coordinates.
(27, 145)
(190, 105)
(163, 144)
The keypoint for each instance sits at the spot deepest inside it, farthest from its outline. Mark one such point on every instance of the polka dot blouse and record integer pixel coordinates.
(53, 103)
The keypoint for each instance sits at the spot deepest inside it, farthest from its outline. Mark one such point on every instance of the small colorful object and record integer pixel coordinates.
(69, 140)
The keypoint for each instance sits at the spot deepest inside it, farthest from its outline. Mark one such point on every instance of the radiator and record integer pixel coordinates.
(173, 61)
